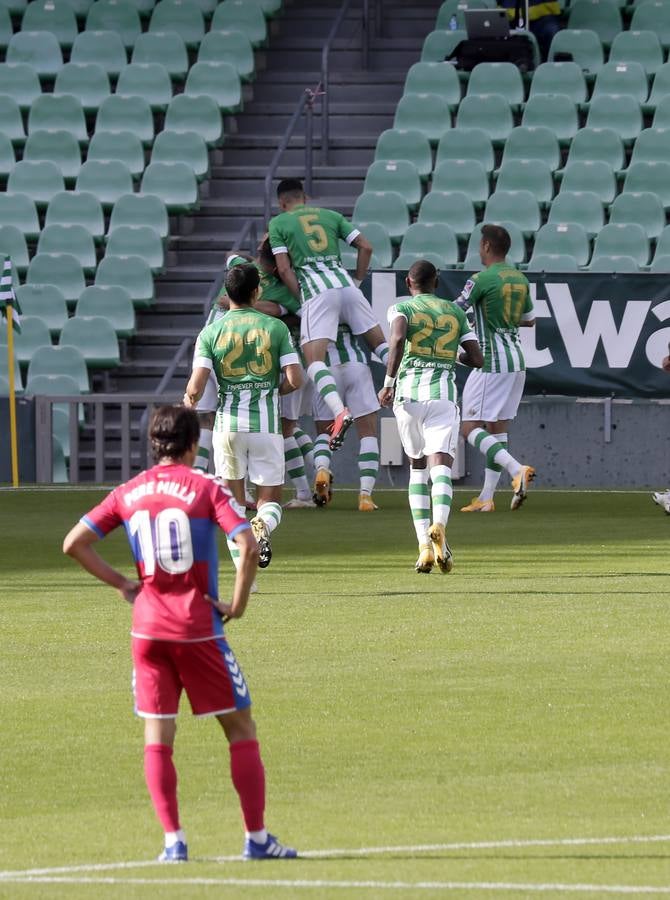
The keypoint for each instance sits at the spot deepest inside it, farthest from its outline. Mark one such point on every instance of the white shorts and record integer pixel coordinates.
(297, 403)
(355, 387)
(492, 396)
(209, 402)
(427, 426)
(322, 314)
(241, 453)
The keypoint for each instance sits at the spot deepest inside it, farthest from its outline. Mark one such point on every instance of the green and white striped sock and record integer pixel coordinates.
(295, 468)
(419, 503)
(441, 493)
(492, 473)
(204, 450)
(493, 450)
(368, 463)
(382, 351)
(270, 512)
(306, 445)
(322, 452)
(325, 384)
(234, 553)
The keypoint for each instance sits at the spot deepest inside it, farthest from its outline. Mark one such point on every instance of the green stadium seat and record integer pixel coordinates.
(382, 249)
(649, 176)
(56, 18)
(126, 114)
(61, 360)
(563, 238)
(490, 112)
(601, 16)
(466, 143)
(95, 339)
(642, 208)
(532, 143)
(622, 240)
(660, 89)
(20, 82)
(138, 240)
(112, 302)
(428, 113)
(118, 16)
(12, 122)
(270, 7)
(502, 78)
(60, 450)
(80, 8)
(386, 208)
(102, 47)
(583, 46)
(434, 78)
(106, 180)
(661, 115)
(72, 208)
(611, 264)
(122, 146)
(144, 8)
(598, 144)
(620, 112)
(641, 47)
(587, 175)
(129, 272)
(186, 147)
(166, 48)
(60, 147)
(243, 16)
(4, 367)
(7, 156)
(46, 301)
(453, 207)
(88, 82)
(559, 78)
(199, 114)
(552, 262)
(33, 336)
(140, 209)
(38, 49)
(231, 46)
(519, 207)
(395, 175)
(405, 260)
(660, 263)
(39, 180)
(421, 238)
(583, 208)
(13, 244)
(440, 44)
(182, 16)
(6, 30)
(15, 7)
(53, 385)
(527, 174)
(410, 145)
(149, 81)
(517, 251)
(62, 270)
(663, 242)
(58, 113)
(627, 78)
(653, 16)
(20, 210)
(69, 239)
(462, 175)
(175, 183)
(554, 111)
(652, 145)
(219, 81)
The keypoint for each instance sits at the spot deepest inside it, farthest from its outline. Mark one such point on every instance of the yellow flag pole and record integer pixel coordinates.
(12, 396)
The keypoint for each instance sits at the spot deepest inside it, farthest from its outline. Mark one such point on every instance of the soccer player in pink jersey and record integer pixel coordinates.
(171, 514)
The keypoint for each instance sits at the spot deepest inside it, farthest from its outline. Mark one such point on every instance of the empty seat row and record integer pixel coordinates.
(47, 303)
(93, 336)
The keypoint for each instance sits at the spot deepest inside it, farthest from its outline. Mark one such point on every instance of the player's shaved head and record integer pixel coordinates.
(173, 431)
(290, 189)
(422, 276)
(241, 284)
(498, 240)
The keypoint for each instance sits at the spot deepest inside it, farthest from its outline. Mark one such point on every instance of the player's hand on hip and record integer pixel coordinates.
(130, 590)
(385, 396)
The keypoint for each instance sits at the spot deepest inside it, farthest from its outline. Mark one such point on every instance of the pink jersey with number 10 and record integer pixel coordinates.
(171, 515)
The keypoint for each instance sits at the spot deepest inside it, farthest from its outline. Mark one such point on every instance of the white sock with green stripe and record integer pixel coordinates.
(493, 450)
(322, 452)
(306, 445)
(368, 463)
(234, 551)
(441, 493)
(204, 450)
(270, 512)
(419, 503)
(382, 351)
(325, 384)
(295, 468)
(492, 473)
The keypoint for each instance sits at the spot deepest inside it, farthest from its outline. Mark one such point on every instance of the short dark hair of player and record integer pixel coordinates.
(423, 273)
(265, 255)
(173, 430)
(498, 239)
(291, 188)
(241, 282)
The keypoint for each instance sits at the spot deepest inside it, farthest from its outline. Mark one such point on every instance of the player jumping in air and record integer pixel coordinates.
(306, 243)
(426, 332)
(171, 513)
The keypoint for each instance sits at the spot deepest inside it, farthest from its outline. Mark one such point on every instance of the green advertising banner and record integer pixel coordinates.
(596, 334)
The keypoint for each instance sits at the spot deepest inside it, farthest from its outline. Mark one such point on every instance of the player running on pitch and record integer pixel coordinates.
(171, 513)
(426, 332)
(306, 243)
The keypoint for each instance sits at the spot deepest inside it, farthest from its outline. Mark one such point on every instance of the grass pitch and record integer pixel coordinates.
(521, 699)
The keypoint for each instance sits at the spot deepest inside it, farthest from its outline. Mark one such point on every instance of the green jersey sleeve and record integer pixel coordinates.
(288, 355)
(204, 352)
(276, 236)
(346, 230)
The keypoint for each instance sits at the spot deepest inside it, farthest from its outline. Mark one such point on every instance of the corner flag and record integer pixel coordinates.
(10, 309)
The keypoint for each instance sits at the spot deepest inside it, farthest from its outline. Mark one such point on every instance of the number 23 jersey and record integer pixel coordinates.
(171, 515)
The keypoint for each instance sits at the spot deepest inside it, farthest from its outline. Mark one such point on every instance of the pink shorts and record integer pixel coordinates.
(206, 670)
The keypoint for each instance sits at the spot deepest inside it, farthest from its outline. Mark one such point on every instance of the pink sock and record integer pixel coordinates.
(161, 778)
(248, 774)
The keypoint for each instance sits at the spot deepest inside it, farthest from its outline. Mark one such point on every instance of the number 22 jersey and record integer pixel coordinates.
(171, 515)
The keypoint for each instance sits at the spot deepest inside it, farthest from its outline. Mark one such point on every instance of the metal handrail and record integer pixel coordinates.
(248, 237)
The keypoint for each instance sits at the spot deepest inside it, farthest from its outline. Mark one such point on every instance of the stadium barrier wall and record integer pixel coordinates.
(25, 423)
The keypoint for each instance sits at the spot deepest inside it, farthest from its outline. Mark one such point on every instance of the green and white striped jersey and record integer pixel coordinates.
(500, 298)
(247, 351)
(345, 349)
(273, 289)
(435, 328)
(311, 237)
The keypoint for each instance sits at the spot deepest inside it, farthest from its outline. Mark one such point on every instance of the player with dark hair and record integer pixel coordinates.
(171, 513)
(306, 243)
(501, 301)
(426, 332)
